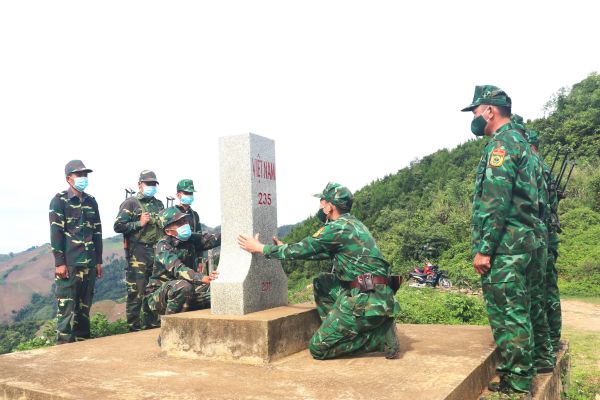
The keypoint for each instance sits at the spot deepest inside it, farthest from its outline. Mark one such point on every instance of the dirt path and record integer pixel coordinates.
(581, 315)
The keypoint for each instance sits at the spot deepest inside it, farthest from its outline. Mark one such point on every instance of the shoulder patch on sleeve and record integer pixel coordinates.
(497, 158)
(317, 233)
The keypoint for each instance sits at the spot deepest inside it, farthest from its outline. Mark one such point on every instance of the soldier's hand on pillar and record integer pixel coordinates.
(144, 218)
(250, 244)
(482, 263)
(99, 271)
(276, 241)
(61, 272)
(209, 278)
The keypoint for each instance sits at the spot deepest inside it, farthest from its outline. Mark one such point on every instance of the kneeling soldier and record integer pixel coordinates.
(174, 285)
(356, 303)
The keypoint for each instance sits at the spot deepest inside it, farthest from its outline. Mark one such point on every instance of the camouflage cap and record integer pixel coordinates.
(338, 195)
(185, 185)
(169, 216)
(533, 139)
(75, 166)
(147, 176)
(488, 94)
(517, 122)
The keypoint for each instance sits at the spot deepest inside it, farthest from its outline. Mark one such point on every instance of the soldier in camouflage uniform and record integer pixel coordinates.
(138, 221)
(355, 303)
(506, 215)
(544, 357)
(553, 311)
(76, 240)
(175, 285)
(202, 241)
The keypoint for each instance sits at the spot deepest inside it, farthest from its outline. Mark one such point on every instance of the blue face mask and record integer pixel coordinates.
(80, 183)
(149, 191)
(187, 199)
(184, 232)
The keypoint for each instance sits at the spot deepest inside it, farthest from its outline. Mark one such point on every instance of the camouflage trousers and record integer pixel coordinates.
(505, 290)
(74, 296)
(342, 332)
(553, 311)
(176, 296)
(140, 260)
(543, 355)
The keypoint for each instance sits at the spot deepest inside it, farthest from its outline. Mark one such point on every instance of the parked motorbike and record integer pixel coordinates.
(431, 276)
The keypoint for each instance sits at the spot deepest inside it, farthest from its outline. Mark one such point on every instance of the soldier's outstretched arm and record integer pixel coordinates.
(319, 246)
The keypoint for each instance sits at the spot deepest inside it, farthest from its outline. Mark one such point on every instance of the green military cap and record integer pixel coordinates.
(147, 176)
(488, 94)
(169, 216)
(517, 122)
(338, 195)
(185, 185)
(533, 139)
(75, 166)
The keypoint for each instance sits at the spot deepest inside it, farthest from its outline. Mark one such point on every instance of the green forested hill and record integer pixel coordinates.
(423, 211)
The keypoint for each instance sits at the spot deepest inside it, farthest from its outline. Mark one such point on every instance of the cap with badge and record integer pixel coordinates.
(169, 216)
(147, 176)
(185, 185)
(338, 195)
(75, 166)
(488, 94)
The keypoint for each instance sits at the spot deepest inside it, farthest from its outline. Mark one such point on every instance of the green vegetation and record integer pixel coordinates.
(99, 327)
(434, 306)
(41, 308)
(9, 271)
(112, 285)
(14, 334)
(422, 212)
(585, 364)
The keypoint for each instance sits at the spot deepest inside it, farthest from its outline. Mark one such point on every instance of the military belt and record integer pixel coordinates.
(366, 282)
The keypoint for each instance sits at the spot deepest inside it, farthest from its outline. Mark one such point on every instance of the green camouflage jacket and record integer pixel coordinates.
(202, 241)
(349, 244)
(128, 219)
(506, 202)
(552, 221)
(75, 230)
(541, 228)
(173, 259)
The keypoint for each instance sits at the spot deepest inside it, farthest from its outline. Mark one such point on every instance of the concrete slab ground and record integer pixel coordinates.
(437, 362)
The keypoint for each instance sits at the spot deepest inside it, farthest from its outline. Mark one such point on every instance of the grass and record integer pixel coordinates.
(585, 364)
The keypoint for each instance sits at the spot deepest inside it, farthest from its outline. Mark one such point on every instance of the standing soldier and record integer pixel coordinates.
(76, 240)
(138, 221)
(544, 358)
(553, 311)
(201, 241)
(356, 303)
(506, 214)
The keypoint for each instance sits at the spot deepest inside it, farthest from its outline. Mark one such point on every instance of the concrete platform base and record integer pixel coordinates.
(550, 386)
(437, 362)
(256, 338)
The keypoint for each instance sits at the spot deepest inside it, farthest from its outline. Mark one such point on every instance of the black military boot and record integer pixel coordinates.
(504, 388)
(391, 345)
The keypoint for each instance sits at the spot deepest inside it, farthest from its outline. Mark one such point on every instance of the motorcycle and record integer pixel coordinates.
(431, 276)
